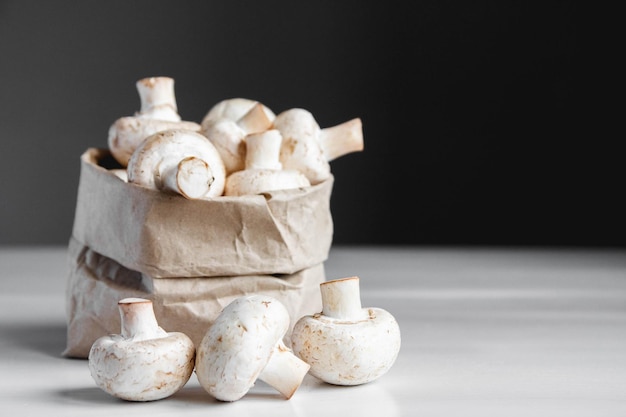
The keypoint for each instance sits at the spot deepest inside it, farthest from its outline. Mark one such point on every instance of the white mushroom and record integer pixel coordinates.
(263, 170)
(158, 112)
(233, 109)
(245, 343)
(228, 135)
(180, 161)
(346, 344)
(144, 362)
(308, 148)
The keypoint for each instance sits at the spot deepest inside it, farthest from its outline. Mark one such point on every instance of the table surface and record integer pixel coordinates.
(485, 331)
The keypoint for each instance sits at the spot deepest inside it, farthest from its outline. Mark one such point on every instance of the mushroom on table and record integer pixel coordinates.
(144, 362)
(245, 343)
(346, 344)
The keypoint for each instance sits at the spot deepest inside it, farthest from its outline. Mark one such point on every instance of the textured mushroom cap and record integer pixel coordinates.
(238, 345)
(163, 151)
(127, 133)
(229, 140)
(144, 370)
(233, 109)
(345, 352)
(300, 148)
(229, 134)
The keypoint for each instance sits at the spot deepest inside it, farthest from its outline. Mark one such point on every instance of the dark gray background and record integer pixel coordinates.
(485, 122)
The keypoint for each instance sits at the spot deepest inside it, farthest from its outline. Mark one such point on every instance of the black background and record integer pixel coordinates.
(485, 123)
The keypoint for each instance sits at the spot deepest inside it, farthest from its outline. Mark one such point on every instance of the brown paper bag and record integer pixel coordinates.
(166, 235)
(187, 305)
(190, 257)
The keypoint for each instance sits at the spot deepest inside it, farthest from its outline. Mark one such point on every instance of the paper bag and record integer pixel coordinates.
(166, 235)
(190, 257)
(187, 305)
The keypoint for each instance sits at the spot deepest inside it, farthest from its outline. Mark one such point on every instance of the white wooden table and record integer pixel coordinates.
(485, 332)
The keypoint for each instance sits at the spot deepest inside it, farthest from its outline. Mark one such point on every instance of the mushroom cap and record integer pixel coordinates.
(163, 151)
(229, 140)
(233, 109)
(259, 181)
(239, 344)
(300, 148)
(344, 352)
(227, 129)
(144, 370)
(127, 133)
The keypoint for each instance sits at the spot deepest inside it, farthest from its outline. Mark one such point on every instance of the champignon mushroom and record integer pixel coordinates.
(346, 344)
(144, 362)
(158, 112)
(245, 343)
(228, 135)
(180, 161)
(263, 171)
(308, 148)
(233, 109)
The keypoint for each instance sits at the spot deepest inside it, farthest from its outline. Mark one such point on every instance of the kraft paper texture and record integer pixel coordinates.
(166, 235)
(190, 257)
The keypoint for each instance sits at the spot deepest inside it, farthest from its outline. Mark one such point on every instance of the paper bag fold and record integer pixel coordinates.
(190, 257)
(166, 235)
(189, 305)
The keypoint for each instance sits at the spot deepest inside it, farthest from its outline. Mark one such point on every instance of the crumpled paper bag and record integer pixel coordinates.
(190, 257)
(187, 305)
(166, 235)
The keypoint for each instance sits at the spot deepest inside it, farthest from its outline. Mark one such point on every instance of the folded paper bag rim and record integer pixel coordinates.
(95, 284)
(166, 235)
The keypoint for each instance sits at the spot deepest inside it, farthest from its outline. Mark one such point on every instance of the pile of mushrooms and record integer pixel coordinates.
(344, 344)
(241, 146)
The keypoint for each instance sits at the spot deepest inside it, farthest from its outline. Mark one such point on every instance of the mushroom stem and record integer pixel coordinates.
(263, 150)
(341, 299)
(341, 139)
(158, 99)
(255, 120)
(144, 362)
(229, 136)
(191, 177)
(175, 157)
(245, 343)
(138, 319)
(284, 371)
(343, 346)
